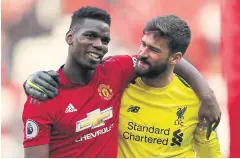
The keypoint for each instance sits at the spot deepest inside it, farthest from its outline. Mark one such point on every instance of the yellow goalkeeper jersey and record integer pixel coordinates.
(162, 122)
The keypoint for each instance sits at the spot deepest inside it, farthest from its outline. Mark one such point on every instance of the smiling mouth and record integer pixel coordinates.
(143, 63)
(94, 56)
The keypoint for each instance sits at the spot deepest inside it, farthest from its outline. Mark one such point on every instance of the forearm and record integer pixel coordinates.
(41, 151)
(193, 77)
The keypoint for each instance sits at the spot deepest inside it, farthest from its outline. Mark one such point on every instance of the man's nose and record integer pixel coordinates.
(144, 52)
(98, 44)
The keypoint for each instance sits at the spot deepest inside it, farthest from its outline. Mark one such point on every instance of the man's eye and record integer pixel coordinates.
(90, 36)
(154, 50)
(105, 41)
(143, 44)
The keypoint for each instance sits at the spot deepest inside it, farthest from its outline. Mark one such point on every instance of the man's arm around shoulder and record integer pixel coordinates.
(209, 109)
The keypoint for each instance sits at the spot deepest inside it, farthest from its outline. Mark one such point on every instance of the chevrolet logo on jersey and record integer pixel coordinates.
(94, 119)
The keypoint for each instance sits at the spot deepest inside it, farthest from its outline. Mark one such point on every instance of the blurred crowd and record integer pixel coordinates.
(33, 33)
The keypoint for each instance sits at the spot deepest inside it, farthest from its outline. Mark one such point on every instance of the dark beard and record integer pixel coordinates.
(152, 72)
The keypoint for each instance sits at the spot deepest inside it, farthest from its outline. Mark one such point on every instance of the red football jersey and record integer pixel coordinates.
(80, 121)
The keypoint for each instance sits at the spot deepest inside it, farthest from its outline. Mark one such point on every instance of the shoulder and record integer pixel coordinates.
(120, 59)
(183, 81)
(119, 67)
(184, 90)
(34, 107)
(118, 64)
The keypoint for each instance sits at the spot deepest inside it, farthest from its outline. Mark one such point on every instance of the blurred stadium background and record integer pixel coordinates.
(33, 33)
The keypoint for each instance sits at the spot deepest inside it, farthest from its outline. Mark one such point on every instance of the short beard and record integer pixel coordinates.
(151, 73)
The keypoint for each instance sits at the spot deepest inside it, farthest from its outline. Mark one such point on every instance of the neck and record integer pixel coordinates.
(161, 80)
(76, 74)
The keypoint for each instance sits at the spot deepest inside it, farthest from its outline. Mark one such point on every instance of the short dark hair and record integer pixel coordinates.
(89, 12)
(174, 29)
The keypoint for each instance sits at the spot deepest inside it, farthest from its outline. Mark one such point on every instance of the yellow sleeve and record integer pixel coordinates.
(207, 148)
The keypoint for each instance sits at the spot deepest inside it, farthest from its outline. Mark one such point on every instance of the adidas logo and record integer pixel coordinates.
(133, 109)
(70, 108)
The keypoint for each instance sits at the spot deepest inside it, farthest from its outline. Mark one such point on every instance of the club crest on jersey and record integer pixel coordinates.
(94, 119)
(105, 91)
(180, 114)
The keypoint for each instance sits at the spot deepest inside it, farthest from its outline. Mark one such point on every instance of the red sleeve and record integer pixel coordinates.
(127, 64)
(37, 123)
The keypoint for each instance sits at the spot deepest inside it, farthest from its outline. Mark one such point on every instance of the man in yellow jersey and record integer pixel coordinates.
(159, 110)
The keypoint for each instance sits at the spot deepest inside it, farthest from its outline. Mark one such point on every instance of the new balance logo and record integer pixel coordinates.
(133, 109)
(70, 108)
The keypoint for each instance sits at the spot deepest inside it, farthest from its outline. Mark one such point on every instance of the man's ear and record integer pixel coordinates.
(69, 37)
(176, 58)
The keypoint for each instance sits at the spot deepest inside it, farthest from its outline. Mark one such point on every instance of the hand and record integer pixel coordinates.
(42, 85)
(209, 113)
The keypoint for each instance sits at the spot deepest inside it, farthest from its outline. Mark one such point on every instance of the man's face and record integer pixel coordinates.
(153, 56)
(90, 43)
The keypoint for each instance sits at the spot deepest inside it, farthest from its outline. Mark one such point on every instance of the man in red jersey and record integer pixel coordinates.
(82, 120)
